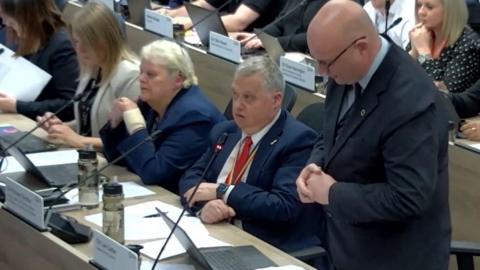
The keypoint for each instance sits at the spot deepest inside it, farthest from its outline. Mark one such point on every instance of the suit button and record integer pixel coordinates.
(329, 214)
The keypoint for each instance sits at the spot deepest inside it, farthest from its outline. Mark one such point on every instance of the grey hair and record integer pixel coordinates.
(264, 65)
(173, 57)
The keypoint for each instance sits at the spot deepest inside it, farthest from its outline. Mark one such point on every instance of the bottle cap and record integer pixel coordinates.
(86, 154)
(112, 189)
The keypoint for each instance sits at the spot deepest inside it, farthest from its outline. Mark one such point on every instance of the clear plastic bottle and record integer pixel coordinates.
(88, 195)
(113, 212)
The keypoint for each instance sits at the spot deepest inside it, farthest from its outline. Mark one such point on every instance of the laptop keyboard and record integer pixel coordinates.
(225, 259)
(60, 175)
(29, 144)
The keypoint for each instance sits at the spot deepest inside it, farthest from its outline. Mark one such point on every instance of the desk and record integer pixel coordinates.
(29, 249)
(214, 74)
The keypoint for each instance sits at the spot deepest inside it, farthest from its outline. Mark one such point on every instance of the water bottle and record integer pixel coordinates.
(113, 212)
(88, 178)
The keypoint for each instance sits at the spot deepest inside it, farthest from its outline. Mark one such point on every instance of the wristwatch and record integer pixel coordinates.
(221, 190)
(424, 57)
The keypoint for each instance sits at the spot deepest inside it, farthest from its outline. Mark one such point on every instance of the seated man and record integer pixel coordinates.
(252, 181)
(239, 15)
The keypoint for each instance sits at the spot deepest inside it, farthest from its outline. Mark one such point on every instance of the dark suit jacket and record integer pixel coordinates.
(389, 208)
(267, 203)
(467, 103)
(185, 128)
(58, 59)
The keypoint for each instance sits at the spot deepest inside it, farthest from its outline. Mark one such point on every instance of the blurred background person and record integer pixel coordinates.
(170, 102)
(108, 70)
(37, 30)
(444, 44)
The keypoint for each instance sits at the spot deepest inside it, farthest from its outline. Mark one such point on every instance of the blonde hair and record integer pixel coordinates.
(173, 57)
(455, 17)
(99, 31)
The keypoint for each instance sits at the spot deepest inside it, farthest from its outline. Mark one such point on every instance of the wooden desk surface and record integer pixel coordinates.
(25, 248)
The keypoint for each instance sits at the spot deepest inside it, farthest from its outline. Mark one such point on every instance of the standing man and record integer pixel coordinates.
(252, 181)
(380, 170)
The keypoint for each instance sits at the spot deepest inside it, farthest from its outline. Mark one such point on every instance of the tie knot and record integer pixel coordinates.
(247, 141)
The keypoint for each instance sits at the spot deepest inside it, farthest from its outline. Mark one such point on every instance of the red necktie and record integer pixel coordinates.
(243, 158)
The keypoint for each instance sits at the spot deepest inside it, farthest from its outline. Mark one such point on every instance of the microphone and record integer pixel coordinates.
(387, 12)
(70, 187)
(394, 23)
(280, 18)
(70, 102)
(216, 149)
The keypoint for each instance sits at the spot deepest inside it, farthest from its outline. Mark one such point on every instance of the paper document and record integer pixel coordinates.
(139, 227)
(13, 74)
(147, 265)
(43, 159)
(286, 267)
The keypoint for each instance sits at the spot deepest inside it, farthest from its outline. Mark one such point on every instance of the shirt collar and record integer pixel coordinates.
(259, 135)
(384, 46)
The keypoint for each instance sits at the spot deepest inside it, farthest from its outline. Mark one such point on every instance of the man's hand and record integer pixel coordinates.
(205, 192)
(303, 192)
(8, 104)
(313, 185)
(471, 130)
(216, 211)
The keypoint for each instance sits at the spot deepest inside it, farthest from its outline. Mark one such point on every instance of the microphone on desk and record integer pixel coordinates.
(216, 150)
(280, 18)
(3, 150)
(70, 187)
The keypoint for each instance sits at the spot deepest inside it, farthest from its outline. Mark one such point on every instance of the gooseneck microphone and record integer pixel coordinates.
(70, 187)
(394, 23)
(66, 105)
(387, 13)
(216, 150)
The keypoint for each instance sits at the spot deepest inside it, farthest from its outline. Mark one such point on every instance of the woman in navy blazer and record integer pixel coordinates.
(38, 32)
(170, 102)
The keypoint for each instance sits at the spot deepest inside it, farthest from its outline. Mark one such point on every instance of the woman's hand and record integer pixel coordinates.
(421, 39)
(8, 104)
(46, 124)
(120, 105)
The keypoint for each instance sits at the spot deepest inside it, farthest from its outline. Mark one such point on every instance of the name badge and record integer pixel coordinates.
(225, 47)
(111, 255)
(158, 23)
(25, 203)
(299, 74)
(108, 3)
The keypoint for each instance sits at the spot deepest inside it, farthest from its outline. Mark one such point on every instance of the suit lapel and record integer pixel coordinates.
(332, 109)
(265, 148)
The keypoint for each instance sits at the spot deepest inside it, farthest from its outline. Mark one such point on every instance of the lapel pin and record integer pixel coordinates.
(273, 142)
(362, 112)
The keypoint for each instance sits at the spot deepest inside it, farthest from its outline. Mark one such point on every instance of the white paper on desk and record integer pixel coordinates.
(13, 74)
(286, 267)
(130, 190)
(137, 227)
(475, 146)
(174, 247)
(44, 159)
(147, 265)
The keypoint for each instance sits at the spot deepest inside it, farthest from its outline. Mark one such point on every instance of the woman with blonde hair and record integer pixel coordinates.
(37, 32)
(170, 102)
(108, 70)
(444, 45)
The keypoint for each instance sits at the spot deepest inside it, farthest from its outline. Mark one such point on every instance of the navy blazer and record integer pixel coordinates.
(58, 59)
(389, 208)
(185, 127)
(267, 203)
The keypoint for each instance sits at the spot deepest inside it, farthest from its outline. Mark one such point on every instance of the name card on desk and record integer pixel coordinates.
(111, 255)
(297, 73)
(108, 3)
(225, 47)
(158, 23)
(24, 203)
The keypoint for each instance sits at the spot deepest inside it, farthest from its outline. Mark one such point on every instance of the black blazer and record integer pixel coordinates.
(467, 103)
(389, 209)
(57, 58)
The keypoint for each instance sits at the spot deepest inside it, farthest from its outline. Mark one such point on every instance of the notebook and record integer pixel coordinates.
(220, 258)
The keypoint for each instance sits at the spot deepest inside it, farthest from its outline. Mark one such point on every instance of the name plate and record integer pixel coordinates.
(225, 47)
(158, 23)
(111, 255)
(108, 3)
(25, 203)
(299, 74)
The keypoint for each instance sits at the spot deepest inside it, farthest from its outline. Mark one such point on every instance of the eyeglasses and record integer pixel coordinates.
(329, 64)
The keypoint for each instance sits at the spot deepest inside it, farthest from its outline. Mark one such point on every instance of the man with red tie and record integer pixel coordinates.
(251, 182)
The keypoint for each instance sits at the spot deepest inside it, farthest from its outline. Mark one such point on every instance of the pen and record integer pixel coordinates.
(154, 215)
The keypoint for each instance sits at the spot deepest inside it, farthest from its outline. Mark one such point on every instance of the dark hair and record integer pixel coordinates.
(37, 19)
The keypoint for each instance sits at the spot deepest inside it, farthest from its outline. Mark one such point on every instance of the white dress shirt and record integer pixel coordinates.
(404, 9)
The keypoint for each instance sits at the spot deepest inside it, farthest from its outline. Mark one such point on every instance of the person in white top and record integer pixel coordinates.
(404, 9)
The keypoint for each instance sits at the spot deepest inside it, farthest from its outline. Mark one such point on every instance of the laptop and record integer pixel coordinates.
(29, 144)
(271, 44)
(52, 175)
(209, 20)
(220, 258)
(137, 11)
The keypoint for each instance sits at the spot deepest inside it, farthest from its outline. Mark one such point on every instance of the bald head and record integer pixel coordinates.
(336, 25)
